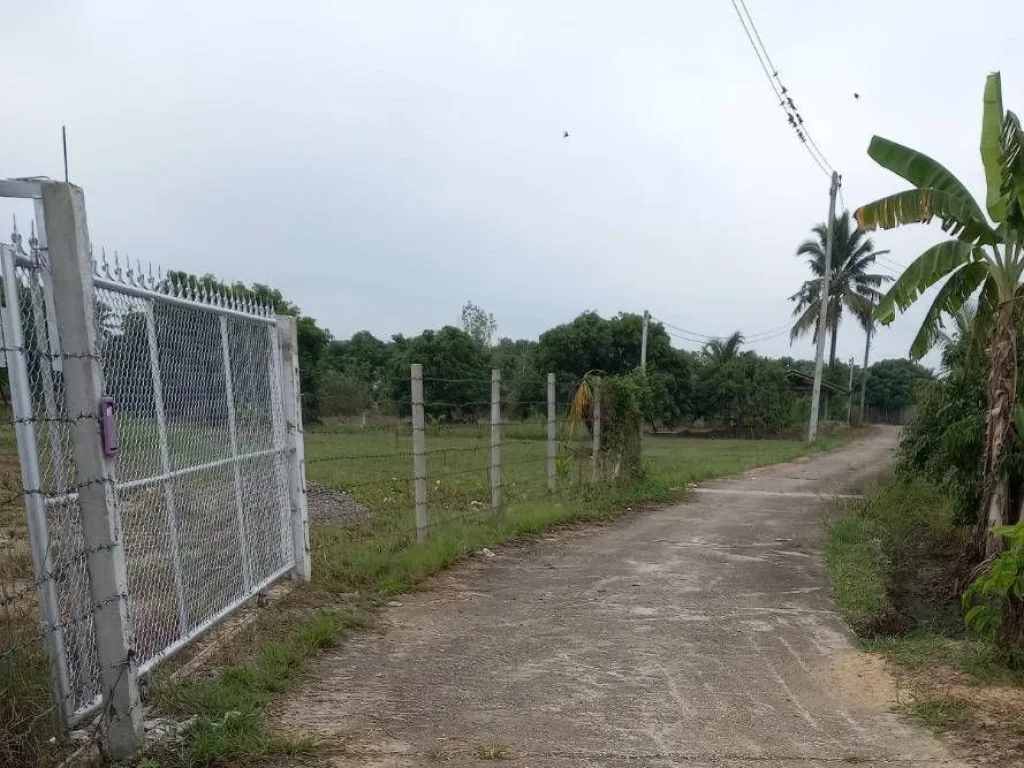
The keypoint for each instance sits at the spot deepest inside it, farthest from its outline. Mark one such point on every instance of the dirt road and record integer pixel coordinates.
(699, 635)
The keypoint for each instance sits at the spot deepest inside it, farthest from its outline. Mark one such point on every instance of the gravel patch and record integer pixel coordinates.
(332, 507)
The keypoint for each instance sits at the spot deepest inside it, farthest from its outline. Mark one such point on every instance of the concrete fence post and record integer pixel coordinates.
(595, 457)
(495, 441)
(70, 258)
(291, 394)
(419, 453)
(552, 442)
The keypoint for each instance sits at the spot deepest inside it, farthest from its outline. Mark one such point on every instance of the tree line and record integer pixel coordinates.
(721, 385)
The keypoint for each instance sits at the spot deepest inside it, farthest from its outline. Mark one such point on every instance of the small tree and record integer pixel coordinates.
(480, 325)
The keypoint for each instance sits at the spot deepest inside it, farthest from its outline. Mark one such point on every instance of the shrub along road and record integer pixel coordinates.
(699, 634)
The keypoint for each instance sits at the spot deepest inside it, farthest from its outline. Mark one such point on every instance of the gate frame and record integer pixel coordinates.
(69, 281)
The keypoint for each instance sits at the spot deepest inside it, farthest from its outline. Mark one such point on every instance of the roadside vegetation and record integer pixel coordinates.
(896, 565)
(929, 568)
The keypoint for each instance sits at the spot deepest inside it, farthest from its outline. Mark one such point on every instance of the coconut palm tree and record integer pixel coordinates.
(979, 257)
(852, 286)
(723, 350)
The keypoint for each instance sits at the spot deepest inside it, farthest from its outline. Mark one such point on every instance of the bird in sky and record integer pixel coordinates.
(856, 95)
(565, 135)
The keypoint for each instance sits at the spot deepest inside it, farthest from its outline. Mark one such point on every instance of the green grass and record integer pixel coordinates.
(938, 714)
(229, 710)
(922, 649)
(492, 749)
(893, 562)
(856, 567)
(877, 547)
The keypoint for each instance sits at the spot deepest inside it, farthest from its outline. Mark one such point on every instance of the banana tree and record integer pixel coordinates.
(980, 256)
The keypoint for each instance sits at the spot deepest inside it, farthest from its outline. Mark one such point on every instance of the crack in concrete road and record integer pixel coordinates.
(700, 634)
(791, 494)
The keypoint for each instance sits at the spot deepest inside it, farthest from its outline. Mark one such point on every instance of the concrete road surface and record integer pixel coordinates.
(698, 635)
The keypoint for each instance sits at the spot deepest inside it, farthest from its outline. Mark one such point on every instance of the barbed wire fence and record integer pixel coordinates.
(434, 466)
(109, 568)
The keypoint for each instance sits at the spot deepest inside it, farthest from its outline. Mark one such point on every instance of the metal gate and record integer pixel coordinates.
(202, 507)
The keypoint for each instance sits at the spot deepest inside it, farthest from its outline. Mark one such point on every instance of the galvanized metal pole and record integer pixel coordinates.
(419, 453)
(812, 428)
(552, 442)
(102, 532)
(595, 450)
(31, 481)
(495, 441)
(243, 527)
(170, 501)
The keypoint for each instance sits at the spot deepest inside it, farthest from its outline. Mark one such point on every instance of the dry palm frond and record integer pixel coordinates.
(581, 402)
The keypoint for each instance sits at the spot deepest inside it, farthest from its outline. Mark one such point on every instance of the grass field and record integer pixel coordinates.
(361, 560)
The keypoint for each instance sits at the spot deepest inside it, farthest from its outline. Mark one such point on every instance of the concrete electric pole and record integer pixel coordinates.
(867, 349)
(849, 396)
(643, 341)
(819, 359)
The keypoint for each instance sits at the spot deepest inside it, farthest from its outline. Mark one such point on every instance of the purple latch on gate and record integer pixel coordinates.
(108, 426)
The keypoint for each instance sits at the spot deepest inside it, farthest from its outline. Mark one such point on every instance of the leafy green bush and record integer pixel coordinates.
(626, 400)
(746, 392)
(343, 395)
(993, 602)
(945, 442)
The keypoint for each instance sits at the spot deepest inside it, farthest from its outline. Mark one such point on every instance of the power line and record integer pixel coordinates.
(772, 334)
(892, 263)
(793, 115)
(683, 332)
(695, 337)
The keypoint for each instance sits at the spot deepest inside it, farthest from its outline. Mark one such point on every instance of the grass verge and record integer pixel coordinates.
(892, 561)
(356, 568)
(940, 715)
(878, 549)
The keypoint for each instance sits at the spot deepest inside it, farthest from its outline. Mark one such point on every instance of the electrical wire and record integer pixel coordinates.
(891, 262)
(793, 115)
(701, 338)
(789, 101)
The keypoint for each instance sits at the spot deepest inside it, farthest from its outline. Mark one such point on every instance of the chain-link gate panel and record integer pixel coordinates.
(202, 470)
(203, 460)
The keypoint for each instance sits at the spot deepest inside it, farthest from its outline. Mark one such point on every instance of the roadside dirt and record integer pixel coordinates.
(698, 635)
(992, 730)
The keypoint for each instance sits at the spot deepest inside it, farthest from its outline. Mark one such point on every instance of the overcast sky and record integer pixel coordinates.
(382, 163)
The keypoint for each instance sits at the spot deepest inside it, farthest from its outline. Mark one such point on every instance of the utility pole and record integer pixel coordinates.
(643, 341)
(849, 396)
(867, 349)
(643, 367)
(819, 360)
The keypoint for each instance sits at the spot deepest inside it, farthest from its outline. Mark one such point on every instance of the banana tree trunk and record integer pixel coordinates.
(1001, 396)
